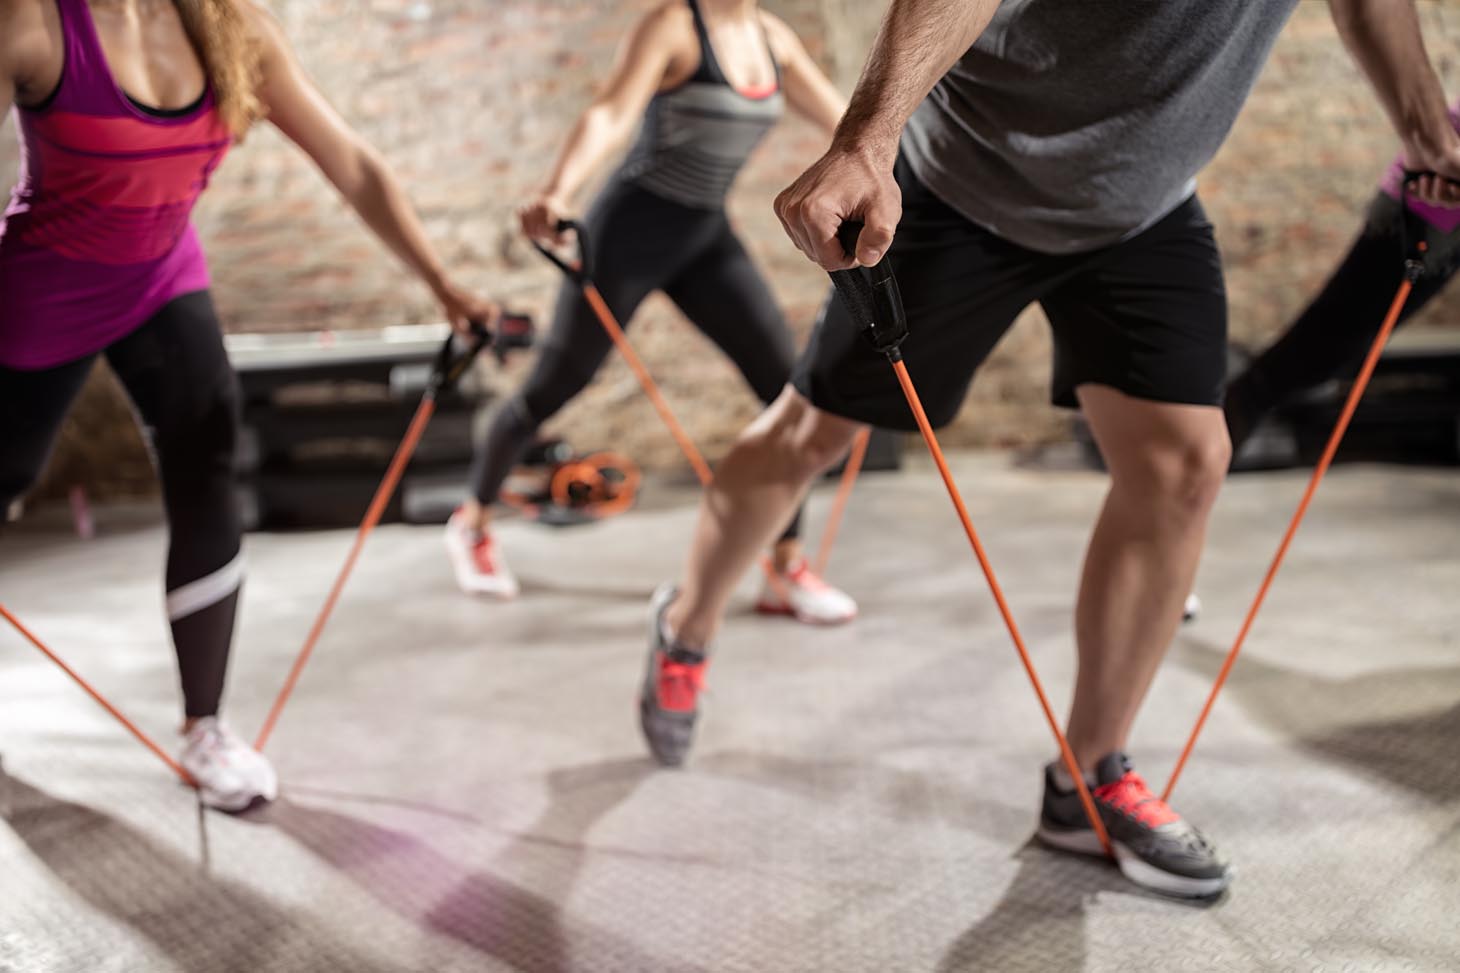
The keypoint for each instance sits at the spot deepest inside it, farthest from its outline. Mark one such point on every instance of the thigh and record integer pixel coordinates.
(1145, 442)
(179, 378)
(32, 407)
(727, 299)
(1147, 317)
(962, 288)
(577, 343)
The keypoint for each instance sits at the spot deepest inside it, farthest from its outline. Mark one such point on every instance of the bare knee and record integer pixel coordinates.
(1183, 478)
(795, 441)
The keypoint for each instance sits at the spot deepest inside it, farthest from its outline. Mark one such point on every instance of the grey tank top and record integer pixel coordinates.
(1071, 125)
(696, 137)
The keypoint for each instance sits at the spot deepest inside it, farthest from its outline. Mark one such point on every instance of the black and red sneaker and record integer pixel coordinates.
(669, 697)
(1154, 846)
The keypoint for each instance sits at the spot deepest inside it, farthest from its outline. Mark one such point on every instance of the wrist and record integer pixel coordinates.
(877, 145)
(440, 285)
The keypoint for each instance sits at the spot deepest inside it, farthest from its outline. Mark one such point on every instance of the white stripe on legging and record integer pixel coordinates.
(207, 590)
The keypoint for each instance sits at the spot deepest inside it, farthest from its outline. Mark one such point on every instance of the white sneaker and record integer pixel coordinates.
(229, 773)
(479, 566)
(1192, 609)
(799, 593)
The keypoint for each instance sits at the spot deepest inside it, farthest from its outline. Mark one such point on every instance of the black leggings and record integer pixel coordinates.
(1330, 338)
(185, 393)
(640, 243)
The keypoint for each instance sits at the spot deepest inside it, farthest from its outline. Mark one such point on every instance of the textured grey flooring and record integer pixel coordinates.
(465, 788)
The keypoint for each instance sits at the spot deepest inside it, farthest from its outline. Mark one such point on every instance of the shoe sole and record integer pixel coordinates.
(666, 760)
(466, 577)
(786, 611)
(662, 597)
(238, 803)
(1132, 867)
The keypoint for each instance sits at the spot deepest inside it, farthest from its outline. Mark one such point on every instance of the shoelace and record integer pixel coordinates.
(680, 684)
(481, 554)
(215, 746)
(803, 577)
(1132, 797)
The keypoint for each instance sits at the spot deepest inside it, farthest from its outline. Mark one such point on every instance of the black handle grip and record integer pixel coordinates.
(581, 271)
(871, 296)
(453, 360)
(1412, 228)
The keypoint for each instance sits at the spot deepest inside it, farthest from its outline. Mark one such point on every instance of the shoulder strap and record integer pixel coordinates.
(86, 75)
(709, 70)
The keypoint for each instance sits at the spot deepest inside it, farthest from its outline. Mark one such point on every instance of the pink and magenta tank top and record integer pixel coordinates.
(1444, 220)
(98, 235)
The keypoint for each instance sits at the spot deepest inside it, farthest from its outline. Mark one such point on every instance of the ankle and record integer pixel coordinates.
(476, 516)
(682, 631)
(786, 555)
(1065, 781)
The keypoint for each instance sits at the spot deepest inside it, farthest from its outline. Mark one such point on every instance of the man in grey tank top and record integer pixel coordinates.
(1045, 151)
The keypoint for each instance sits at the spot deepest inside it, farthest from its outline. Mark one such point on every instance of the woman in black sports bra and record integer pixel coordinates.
(703, 80)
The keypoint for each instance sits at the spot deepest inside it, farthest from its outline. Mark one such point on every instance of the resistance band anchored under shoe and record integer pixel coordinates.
(1414, 268)
(131, 727)
(580, 272)
(872, 297)
(451, 364)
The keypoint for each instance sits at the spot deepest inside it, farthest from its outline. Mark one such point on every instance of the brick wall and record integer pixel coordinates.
(469, 101)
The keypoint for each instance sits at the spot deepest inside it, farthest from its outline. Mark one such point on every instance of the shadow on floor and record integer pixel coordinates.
(1039, 922)
(591, 592)
(905, 795)
(524, 928)
(1399, 725)
(199, 922)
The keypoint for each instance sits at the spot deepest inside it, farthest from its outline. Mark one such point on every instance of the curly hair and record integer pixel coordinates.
(229, 50)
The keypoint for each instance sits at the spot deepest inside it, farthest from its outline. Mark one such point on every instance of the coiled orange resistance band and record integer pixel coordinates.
(580, 273)
(872, 297)
(450, 366)
(1414, 270)
(101, 700)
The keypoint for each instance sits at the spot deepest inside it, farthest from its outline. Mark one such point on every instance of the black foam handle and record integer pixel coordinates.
(452, 363)
(871, 296)
(1412, 228)
(582, 271)
(848, 234)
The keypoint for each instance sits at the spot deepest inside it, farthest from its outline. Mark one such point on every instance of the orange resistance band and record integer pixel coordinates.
(382, 497)
(132, 728)
(843, 494)
(988, 572)
(1360, 384)
(646, 381)
(686, 445)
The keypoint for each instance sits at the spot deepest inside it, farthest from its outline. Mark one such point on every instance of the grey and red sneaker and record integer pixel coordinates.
(1154, 846)
(669, 697)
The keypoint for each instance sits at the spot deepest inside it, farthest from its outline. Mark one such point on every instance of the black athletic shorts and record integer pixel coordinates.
(1147, 316)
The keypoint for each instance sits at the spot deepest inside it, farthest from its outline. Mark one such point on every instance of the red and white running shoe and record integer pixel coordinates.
(800, 593)
(479, 566)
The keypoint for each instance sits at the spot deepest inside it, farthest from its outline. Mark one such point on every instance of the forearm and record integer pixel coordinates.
(918, 42)
(1384, 38)
(376, 194)
(816, 99)
(595, 136)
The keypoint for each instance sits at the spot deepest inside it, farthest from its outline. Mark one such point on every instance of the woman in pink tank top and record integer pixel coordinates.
(125, 110)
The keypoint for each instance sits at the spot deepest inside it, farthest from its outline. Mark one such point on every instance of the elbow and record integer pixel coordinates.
(606, 122)
(362, 176)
